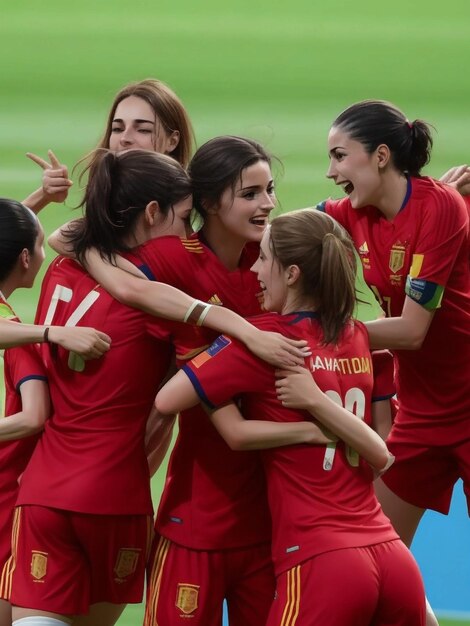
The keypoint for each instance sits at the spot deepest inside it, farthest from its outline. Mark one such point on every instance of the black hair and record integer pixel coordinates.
(218, 164)
(19, 229)
(120, 186)
(375, 122)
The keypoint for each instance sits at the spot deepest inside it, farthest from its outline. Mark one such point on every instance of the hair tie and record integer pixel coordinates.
(410, 124)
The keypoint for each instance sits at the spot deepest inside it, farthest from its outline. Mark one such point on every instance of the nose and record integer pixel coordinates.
(331, 171)
(126, 137)
(268, 202)
(254, 267)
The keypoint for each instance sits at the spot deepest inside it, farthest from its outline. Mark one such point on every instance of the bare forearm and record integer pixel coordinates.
(36, 201)
(392, 333)
(352, 430)
(20, 425)
(14, 334)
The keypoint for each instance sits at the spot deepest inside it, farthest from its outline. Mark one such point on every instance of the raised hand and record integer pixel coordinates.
(55, 179)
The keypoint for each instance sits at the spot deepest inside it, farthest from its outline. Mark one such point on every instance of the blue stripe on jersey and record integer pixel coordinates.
(31, 377)
(301, 315)
(407, 195)
(389, 396)
(145, 269)
(197, 387)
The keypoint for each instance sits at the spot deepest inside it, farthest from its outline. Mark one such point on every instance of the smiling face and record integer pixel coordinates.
(272, 277)
(135, 125)
(243, 211)
(354, 169)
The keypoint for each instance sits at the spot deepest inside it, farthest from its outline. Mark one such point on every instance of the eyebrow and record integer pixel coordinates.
(118, 119)
(254, 186)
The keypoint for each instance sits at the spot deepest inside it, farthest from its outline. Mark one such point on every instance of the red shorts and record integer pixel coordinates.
(7, 513)
(425, 475)
(184, 583)
(379, 585)
(66, 561)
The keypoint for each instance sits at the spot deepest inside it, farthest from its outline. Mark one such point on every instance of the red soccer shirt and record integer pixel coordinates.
(321, 497)
(214, 498)
(429, 241)
(91, 457)
(20, 364)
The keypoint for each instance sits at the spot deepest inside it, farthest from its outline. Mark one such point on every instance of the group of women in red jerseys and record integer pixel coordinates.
(224, 503)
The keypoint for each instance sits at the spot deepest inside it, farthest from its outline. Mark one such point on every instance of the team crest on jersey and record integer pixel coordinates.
(187, 598)
(38, 565)
(397, 257)
(126, 563)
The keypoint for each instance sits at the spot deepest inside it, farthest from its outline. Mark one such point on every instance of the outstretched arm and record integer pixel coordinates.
(297, 389)
(86, 342)
(406, 332)
(163, 300)
(30, 420)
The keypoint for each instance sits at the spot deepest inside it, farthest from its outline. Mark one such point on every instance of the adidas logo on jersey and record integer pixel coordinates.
(364, 249)
(215, 300)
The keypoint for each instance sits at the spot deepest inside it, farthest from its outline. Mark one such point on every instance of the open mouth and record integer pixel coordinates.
(348, 187)
(259, 220)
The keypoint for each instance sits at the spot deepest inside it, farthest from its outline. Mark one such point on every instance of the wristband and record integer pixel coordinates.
(45, 337)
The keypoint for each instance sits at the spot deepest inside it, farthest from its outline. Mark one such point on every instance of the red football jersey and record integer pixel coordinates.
(384, 380)
(424, 250)
(321, 497)
(91, 457)
(214, 498)
(20, 365)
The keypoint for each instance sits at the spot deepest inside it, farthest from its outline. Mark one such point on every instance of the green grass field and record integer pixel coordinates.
(275, 71)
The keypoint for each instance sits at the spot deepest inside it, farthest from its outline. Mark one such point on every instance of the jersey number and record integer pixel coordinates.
(384, 301)
(65, 294)
(355, 402)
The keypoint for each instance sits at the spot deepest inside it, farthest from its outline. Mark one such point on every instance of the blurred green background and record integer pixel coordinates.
(276, 71)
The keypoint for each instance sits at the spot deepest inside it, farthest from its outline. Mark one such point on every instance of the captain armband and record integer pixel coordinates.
(427, 294)
(197, 312)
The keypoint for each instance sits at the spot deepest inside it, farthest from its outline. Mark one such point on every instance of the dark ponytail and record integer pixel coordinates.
(376, 122)
(120, 186)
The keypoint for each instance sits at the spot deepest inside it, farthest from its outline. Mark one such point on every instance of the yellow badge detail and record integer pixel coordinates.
(126, 562)
(397, 257)
(38, 565)
(187, 598)
(416, 265)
